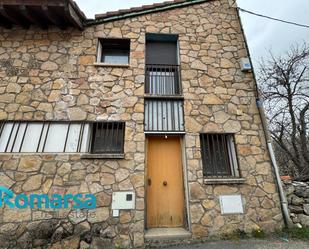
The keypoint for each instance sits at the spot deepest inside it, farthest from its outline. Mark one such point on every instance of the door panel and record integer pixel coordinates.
(165, 191)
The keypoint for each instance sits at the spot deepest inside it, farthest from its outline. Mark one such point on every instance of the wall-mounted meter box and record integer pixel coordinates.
(123, 200)
(245, 65)
(231, 204)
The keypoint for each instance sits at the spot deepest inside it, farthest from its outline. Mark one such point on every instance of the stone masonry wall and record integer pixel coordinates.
(50, 75)
(298, 200)
(68, 174)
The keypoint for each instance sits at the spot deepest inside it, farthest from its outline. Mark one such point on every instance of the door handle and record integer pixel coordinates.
(164, 183)
(149, 181)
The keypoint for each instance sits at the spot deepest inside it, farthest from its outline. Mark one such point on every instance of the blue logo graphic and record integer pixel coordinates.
(56, 201)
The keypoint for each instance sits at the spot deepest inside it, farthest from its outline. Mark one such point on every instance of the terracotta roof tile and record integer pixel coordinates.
(137, 9)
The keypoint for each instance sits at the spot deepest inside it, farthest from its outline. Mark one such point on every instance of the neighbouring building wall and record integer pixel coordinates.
(50, 75)
(298, 200)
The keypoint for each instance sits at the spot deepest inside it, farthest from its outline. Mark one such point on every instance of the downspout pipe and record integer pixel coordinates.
(284, 203)
(259, 102)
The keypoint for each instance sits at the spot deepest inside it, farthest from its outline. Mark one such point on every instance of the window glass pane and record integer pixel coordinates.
(56, 138)
(32, 137)
(86, 138)
(73, 136)
(115, 57)
(5, 136)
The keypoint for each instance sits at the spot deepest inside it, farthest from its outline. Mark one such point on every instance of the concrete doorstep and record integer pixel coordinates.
(166, 234)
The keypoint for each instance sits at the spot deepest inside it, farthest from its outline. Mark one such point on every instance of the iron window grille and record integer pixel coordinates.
(114, 51)
(162, 80)
(219, 156)
(108, 137)
(60, 137)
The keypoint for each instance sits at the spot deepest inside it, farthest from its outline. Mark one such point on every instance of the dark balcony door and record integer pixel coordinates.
(162, 70)
(161, 53)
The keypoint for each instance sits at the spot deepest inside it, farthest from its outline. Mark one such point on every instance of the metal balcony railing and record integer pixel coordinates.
(163, 80)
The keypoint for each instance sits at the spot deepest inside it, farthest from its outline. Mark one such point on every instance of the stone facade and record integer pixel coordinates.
(50, 75)
(298, 200)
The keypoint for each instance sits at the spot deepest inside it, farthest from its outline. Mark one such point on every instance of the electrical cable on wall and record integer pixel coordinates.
(272, 18)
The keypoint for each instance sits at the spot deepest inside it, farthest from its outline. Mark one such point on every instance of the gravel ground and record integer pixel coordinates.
(247, 244)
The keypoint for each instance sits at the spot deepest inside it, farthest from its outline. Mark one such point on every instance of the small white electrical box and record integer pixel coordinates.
(245, 65)
(123, 200)
(231, 204)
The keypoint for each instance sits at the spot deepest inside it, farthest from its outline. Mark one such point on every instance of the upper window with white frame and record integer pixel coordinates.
(62, 137)
(219, 156)
(113, 51)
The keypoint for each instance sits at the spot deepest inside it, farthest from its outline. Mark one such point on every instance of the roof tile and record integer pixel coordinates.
(136, 9)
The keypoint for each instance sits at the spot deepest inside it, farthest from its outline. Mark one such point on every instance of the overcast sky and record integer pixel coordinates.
(262, 34)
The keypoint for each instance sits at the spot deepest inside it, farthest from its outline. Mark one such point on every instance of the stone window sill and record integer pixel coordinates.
(102, 156)
(102, 64)
(211, 181)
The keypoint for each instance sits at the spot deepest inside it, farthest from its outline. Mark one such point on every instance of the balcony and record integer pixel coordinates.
(163, 80)
(164, 115)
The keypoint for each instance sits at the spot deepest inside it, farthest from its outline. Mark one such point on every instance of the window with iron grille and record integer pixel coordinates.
(108, 137)
(219, 155)
(61, 137)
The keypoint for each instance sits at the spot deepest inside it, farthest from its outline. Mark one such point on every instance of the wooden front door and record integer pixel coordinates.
(165, 191)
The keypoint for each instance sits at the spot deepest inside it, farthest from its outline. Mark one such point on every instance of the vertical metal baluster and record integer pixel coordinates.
(46, 137)
(91, 138)
(112, 143)
(104, 127)
(220, 166)
(23, 138)
(109, 130)
(37, 149)
(160, 78)
(16, 134)
(148, 114)
(151, 91)
(173, 115)
(147, 80)
(79, 140)
(81, 132)
(66, 137)
(203, 153)
(152, 114)
(224, 147)
(209, 155)
(215, 169)
(9, 139)
(170, 80)
(82, 136)
(2, 128)
(118, 149)
(123, 127)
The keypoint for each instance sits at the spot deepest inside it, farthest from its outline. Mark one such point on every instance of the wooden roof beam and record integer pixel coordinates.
(32, 17)
(5, 13)
(5, 23)
(53, 18)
